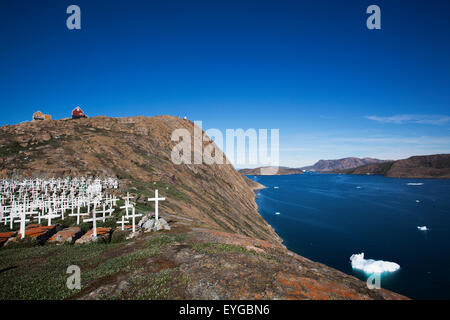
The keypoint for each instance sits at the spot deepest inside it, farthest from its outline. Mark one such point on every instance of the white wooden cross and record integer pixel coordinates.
(127, 198)
(122, 222)
(12, 214)
(49, 216)
(156, 199)
(127, 204)
(94, 220)
(39, 216)
(78, 214)
(113, 200)
(103, 212)
(133, 216)
(23, 221)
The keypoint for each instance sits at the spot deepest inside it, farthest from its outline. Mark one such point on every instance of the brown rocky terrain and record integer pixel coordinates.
(433, 166)
(137, 151)
(219, 247)
(341, 164)
(253, 184)
(218, 265)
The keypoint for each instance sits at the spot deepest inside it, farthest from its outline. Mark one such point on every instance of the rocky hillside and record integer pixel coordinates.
(270, 171)
(187, 262)
(341, 164)
(433, 166)
(219, 247)
(138, 151)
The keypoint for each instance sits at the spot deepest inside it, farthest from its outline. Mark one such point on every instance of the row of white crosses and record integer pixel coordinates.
(49, 199)
(128, 205)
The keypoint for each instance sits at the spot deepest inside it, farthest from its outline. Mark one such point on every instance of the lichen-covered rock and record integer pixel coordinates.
(120, 235)
(36, 234)
(68, 235)
(145, 222)
(4, 236)
(103, 234)
(160, 224)
(150, 224)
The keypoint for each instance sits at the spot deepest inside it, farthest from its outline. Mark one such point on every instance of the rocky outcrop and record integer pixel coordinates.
(253, 184)
(148, 224)
(103, 235)
(433, 166)
(270, 171)
(68, 235)
(5, 236)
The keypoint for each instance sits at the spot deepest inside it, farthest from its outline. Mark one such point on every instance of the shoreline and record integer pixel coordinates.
(258, 186)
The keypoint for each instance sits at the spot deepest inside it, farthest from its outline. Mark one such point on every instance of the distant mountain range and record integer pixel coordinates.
(320, 166)
(341, 164)
(433, 166)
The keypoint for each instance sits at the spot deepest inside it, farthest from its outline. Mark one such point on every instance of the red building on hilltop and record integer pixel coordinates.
(77, 113)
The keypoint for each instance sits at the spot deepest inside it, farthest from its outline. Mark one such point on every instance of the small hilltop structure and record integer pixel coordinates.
(77, 113)
(39, 116)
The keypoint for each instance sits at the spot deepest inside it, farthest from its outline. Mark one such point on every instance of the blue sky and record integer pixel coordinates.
(309, 68)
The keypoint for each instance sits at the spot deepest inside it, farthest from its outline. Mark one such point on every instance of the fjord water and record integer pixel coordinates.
(329, 217)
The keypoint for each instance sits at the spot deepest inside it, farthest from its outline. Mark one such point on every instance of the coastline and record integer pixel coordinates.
(258, 186)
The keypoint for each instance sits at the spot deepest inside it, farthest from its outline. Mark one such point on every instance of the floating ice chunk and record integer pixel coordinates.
(358, 187)
(277, 213)
(414, 184)
(372, 266)
(275, 187)
(417, 201)
(423, 228)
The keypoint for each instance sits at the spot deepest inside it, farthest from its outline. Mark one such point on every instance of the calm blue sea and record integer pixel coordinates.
(328, 217)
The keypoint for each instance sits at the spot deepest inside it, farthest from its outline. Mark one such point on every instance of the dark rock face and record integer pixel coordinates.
(433, 166)
(341, 164)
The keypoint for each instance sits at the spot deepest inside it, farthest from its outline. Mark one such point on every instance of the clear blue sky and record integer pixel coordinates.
(309, 68)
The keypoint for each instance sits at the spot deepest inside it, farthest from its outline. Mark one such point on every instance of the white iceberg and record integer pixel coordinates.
(415, 184)
(275, 187)
(372, 266)
(277, 213)
(358, 187)
(423, 228)
(417, 201)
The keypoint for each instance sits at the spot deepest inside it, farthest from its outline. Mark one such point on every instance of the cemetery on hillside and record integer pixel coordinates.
(70, 211)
